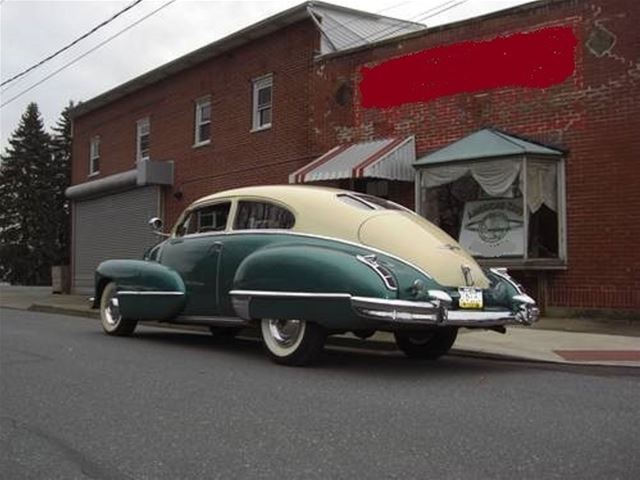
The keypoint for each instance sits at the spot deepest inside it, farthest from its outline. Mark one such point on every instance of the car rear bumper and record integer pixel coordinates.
(403, 312)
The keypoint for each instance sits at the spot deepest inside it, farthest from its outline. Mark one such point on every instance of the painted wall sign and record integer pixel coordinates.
(535, 59)
(493, 228)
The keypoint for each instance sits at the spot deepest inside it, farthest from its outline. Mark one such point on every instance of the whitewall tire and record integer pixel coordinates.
(112, 321)
(292, 342)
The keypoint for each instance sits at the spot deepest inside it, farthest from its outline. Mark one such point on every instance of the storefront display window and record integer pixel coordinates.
(511, 208)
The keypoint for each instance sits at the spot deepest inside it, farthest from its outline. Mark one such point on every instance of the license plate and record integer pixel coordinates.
(470, 297)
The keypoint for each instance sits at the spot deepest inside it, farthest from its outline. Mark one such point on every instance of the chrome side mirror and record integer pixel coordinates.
(156, 225)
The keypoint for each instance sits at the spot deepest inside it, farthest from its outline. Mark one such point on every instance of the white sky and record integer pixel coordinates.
(32, 30)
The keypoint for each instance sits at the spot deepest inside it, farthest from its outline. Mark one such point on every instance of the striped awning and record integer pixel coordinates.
(390, 158)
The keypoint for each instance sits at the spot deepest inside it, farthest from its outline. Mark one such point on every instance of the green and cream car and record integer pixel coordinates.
(301, 263)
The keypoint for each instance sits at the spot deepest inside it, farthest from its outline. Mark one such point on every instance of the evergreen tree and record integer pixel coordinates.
(60, 180)
(27, 223)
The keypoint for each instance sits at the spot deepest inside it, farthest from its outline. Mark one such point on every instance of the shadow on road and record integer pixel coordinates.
(362, 360)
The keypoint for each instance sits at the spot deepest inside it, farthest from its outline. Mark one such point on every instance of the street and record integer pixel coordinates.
(168, 404)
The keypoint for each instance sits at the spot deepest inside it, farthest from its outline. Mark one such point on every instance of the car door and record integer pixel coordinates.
(252, 218)
(195, 251)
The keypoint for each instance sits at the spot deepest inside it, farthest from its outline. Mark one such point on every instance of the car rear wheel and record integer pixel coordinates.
(292, 342)
(428, 344)
(112, 321)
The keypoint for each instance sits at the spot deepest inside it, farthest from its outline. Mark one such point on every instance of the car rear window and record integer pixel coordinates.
(355, 202)
(252, 215)
(369, 202)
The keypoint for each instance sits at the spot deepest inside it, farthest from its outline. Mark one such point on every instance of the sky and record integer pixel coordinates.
(32, 30)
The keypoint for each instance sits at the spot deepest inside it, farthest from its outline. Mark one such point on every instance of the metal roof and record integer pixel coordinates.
(486, 143)
(390, 158)
(340, 27)
(343, 28)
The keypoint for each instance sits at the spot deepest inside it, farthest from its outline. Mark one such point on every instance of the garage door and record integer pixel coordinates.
(113, 226)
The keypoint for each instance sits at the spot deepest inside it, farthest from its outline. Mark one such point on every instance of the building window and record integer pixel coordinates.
(505, 211)
(203, 122)
(262, 102)
(143, 132)
(94, 156)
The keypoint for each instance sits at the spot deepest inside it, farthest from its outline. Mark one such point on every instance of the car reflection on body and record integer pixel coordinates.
(301, 263)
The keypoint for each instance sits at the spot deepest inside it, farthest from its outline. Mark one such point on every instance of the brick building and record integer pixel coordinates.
(559, 152)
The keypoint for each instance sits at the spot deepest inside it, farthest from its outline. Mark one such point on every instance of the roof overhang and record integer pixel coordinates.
(147, 172)
(389, 159)
(487, 144)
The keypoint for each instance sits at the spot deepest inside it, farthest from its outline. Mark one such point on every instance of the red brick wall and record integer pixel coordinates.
(595, 114)
(236, 157)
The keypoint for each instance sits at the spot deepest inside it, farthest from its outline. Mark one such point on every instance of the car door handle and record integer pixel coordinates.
(215, 247)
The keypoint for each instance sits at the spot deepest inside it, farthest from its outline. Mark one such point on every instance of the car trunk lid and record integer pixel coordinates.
(418, 241)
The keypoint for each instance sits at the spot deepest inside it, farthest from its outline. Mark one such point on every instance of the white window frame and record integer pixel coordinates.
(265, 81)
(94, 155)
(201, 102)
(140, 126)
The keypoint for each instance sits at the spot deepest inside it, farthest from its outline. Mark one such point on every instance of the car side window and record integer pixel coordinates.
(252, 215)
(212, 218)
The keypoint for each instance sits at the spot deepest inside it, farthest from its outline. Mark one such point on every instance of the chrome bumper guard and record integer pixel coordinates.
(435, 313)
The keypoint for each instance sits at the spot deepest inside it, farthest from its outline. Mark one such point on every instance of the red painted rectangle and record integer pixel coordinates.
(535, 59)
(599, 355)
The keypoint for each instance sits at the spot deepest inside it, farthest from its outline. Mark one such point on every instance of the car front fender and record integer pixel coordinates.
(146, 290)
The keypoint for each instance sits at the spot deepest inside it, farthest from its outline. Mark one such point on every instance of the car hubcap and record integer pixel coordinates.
(112, 311)
(285, 332)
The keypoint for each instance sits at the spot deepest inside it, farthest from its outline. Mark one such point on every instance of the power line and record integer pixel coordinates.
(79, 57)
(421, 17)
(68, 46)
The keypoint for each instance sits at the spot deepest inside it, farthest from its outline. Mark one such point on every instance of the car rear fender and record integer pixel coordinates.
(146, 290)
(304, 282)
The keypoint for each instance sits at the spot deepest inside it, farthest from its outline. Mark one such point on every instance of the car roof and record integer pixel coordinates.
(285, 193)
(318, 210)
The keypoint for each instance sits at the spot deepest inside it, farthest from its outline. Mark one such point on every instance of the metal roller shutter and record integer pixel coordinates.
(113, 226)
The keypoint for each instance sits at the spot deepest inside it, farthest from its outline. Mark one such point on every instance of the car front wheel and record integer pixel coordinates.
(428, 344)
(292, 342)
(112, 321)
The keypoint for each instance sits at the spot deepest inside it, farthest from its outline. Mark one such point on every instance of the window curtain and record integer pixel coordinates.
(542, 185)
(495, 177)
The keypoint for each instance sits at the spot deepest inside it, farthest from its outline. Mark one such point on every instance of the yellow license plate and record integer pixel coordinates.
(470, 297)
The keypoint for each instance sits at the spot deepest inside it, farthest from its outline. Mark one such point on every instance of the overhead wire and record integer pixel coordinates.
(376, 36)
(421, 17)
(71, 44)
(93, 49)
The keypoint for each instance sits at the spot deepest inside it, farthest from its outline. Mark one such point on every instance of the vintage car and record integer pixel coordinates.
(301, 263)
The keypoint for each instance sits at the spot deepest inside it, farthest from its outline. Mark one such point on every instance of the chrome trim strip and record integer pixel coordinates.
(524, 298)
(372, 262)
(275, 294)
(463, 318)
(405, 311)
(479, 316)
(390, 304)
(312, 235)
(210, 320)
(502, 273)
(147, 292)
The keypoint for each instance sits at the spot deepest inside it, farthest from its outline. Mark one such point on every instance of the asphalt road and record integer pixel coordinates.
(171, 405)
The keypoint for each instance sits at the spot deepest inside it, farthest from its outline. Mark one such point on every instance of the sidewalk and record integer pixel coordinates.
(569, 341)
